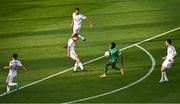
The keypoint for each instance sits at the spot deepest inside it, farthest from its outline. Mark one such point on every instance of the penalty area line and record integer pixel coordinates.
(125, 87)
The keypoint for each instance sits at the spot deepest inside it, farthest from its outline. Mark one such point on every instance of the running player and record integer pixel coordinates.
(13, 66)
(168, 60)
(76, 23)
(72, 53)
(115, 56)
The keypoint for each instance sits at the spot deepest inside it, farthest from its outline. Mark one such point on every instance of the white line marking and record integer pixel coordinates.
(59, 73)
(125, 87)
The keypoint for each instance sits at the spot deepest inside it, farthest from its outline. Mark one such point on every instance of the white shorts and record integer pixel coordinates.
(10, 78)
(76, 29)
(73, 55)
(167, 64)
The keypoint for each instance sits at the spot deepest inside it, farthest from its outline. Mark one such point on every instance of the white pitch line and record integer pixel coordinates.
(59, 73)
(125, 87)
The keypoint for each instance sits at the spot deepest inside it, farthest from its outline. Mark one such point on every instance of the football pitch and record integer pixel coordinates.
(38, 29)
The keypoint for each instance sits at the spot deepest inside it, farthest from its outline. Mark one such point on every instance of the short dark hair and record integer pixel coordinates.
(169, 41)
(77, 9)
(113, 45)
(15, 55)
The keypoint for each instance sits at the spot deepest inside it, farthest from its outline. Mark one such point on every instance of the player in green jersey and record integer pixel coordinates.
(115, 60)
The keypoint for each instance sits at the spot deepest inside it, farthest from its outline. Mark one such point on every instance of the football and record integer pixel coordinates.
(106, 54)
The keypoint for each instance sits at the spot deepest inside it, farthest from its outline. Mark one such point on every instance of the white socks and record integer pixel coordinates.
(81, 37)
(76, 65)
(163, 76)
(81, 66)
(8, 88)
(10, 85)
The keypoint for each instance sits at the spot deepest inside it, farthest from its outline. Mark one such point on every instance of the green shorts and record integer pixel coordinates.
(116, 63)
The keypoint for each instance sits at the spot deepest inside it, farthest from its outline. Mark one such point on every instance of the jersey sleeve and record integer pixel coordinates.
(73, 15)
(10, 63)
(83, 17)
(118, 52)
(19, 63)
(174, 51)
(69, 42)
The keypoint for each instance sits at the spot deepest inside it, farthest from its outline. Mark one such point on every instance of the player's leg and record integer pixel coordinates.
(79, 63)
(10, 83)
(13, 84)
(165, 66)
(7, 83)
(163, 74)
(75, 57)
(116, 65)
(77, 30)
(81, 37)
(75, 67)
(106, 68)
(113, 66)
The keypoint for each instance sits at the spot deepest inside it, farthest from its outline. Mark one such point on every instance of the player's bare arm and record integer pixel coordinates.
(24, 68)
(68, 51)
(164, 57)
(174, 56)
(7, 67)
(72, 23)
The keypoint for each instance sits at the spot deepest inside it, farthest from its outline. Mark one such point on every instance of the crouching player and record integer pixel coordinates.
(72, 53)
(13, 66)
(114, 57)
(168, 60)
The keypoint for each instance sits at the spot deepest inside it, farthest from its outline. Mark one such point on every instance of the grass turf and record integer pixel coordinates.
(38, 29)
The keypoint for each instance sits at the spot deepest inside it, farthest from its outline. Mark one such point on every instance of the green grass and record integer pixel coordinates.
(38, 29)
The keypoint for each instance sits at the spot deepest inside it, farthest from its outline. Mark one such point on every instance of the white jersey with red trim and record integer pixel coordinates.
(77, 19)
(171, 52)
(71, 45)
(14, 64)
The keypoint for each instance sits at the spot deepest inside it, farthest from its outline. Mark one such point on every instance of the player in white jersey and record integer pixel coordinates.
(76, 23)
(72, 53)
(13, 66)
(168, 60)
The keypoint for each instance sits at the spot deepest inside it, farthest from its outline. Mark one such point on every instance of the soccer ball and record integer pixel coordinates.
(106, 54)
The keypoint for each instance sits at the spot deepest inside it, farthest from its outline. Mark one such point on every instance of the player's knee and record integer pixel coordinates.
(78, 60)
(162, 69)
(107, 64)
(112, 66)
